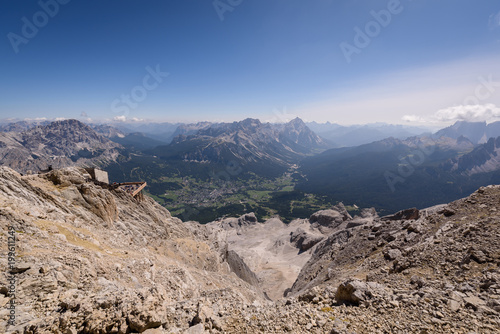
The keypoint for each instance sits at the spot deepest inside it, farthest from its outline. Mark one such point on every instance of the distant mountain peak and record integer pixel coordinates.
(250, 122)
(297, 120)
(297, 123)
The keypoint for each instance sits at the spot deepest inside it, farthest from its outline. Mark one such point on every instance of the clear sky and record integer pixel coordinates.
(345, 61)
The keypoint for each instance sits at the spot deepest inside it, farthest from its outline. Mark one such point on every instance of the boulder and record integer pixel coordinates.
(392, 254)
(327, 218)
(197, 329)
(100, 201)
(354, 291)
(67, 176)
(20, 268)
(304, 240)
(474, 302)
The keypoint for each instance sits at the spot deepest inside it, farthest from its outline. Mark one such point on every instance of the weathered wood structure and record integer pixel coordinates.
(133, 188)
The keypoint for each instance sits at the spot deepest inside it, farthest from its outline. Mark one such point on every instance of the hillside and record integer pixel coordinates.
(394, 174)
(91, 260)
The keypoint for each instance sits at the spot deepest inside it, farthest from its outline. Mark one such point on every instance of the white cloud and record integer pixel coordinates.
(495, 20)
(84, 114)
(471, 113)
(59, 119)
(120, 118)
(413, 119)
(477, 113)
(135, 119)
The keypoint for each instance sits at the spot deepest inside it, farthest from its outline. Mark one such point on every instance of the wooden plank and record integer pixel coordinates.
(128, 184)
(139, 189)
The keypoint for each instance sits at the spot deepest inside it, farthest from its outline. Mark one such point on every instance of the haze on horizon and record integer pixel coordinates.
(348, 62)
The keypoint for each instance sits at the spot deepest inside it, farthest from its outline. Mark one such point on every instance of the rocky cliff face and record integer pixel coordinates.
(477, 132)
(91, 260)
(60, 144)
(94, 260)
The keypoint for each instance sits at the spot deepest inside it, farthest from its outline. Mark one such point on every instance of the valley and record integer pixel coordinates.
(205, 199)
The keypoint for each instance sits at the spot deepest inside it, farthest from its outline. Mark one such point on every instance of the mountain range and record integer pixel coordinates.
(251, 145)
(355, 135)
(218, 169)
(336, 135)
(392, 174)
(57, 144)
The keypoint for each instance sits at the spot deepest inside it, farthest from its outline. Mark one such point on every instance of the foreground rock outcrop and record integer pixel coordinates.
(94, 260)
(98, 261)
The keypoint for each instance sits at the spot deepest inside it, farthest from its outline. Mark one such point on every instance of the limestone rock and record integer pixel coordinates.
(327, 218)
(240, 268)
(354, 291)
(304, 240)
(406, 214)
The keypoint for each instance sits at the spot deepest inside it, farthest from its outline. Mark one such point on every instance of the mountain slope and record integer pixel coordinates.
(22, 126)
(93, 260)
(355, 135)
(89, 259)
(443, 260)
(483, 159)
(477, 132)
(391, 174)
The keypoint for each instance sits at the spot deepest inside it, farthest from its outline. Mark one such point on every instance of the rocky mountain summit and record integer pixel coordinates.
(61, 143)
(91, 259)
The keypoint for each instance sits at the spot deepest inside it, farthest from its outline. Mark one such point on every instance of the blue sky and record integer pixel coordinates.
(421, 62)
